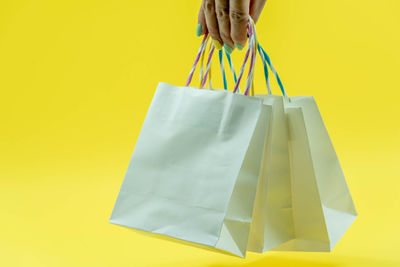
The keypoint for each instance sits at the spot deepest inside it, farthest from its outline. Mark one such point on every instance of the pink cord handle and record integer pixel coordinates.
(199, 53)
(246, 57)
(210, 54)
(250, 47)
(250, 74)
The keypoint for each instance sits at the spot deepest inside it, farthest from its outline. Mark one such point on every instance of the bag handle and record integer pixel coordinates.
(251, 48)
(228, 57)
(208, 65)
(267, 61)
(254, 47)
(200, 57)
(201, 69)
(221, 64)
(266, 74)
(251, 70)
(196, 60)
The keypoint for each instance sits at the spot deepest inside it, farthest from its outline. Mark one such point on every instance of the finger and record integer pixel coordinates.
(212, 23)
(201, 26)
(239, 17)
(224, 27)
(256, 6)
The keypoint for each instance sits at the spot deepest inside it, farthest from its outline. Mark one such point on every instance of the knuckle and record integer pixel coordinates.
(238, 16)
(209, 6)
(222, 12)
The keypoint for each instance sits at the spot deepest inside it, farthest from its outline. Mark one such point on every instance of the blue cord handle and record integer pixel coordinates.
(273, 70)
(221, 62)
(266, 63)
(265, 69)
(230, 64)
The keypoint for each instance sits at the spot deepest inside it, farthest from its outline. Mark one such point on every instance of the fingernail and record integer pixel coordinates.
(239, 46)
(217, 44)
(228, 48)
(199, 30)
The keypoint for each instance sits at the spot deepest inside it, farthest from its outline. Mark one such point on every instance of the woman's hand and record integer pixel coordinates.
(226, 21)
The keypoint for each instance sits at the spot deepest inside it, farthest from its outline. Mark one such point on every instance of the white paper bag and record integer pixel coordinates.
(322, 205)
(194, 171)
(302, 202)
(272, 219)
(321, 208)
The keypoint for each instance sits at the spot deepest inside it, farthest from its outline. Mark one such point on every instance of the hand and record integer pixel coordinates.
(226, 21)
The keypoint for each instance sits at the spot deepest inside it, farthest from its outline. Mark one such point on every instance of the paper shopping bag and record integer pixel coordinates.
(272, 218)
(322, 205)
(311, 210)
(193, 174)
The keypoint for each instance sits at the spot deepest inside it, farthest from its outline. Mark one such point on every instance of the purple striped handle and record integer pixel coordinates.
(249, 48)
(246, 57)
(253, 45)
(201, 51)
(207, 66)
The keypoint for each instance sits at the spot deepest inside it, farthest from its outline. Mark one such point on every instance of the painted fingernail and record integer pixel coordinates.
(198, 30)
(239, 46)
(228, 48)
(217, 44)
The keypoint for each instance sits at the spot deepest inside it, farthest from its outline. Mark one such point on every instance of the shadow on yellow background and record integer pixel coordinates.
(77, 77)
(274, 260)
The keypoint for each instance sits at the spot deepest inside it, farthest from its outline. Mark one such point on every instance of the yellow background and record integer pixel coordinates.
(77, 77)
